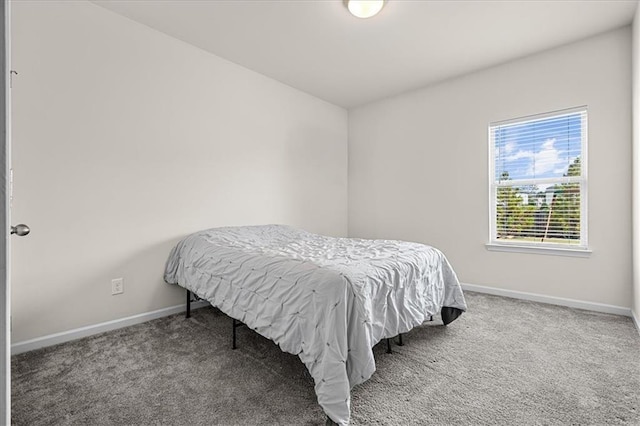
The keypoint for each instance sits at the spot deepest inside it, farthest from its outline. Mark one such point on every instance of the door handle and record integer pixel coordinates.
(20, 230)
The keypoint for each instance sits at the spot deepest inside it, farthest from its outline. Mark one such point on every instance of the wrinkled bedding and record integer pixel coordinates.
(327, 300)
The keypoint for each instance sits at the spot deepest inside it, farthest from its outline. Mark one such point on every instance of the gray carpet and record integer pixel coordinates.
(504, 362)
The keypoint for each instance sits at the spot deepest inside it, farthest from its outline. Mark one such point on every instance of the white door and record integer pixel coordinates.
(6, 230)
(5, 157)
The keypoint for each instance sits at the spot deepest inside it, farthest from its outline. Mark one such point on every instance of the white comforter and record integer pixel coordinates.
(327, 300)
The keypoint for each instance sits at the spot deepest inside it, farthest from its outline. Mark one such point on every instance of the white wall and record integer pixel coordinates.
(636, 165)
(418, 167)
(126, 140)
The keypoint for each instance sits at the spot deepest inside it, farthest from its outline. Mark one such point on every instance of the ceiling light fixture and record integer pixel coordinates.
(364, 8)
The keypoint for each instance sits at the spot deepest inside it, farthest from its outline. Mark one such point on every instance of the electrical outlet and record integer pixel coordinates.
(117, 286)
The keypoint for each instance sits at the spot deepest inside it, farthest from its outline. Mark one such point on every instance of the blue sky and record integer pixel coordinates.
(538, 149)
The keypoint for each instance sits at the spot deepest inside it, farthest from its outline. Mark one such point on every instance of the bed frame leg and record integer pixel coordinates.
(188, 304)
(400, 340)
(233, 343)
(389, 346)
(431, 318)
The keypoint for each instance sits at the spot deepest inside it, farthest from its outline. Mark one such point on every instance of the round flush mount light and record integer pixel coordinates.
(364, 8)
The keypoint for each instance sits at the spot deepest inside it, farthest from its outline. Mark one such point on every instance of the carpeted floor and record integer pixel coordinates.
(505, 362)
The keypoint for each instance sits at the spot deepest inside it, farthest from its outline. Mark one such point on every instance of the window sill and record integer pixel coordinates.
(552, 251)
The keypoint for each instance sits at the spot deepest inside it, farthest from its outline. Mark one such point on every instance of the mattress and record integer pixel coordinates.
(327, 300)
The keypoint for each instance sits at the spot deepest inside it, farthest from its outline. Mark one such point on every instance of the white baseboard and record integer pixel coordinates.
(78, 333)
(552, 300)
(636, 321)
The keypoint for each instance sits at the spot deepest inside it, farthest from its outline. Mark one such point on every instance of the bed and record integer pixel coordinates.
(327, 300)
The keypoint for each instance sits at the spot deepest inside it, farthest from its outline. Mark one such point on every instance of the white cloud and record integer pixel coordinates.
(544, 161)
(509, 147)
(520, 154)
(506, 149)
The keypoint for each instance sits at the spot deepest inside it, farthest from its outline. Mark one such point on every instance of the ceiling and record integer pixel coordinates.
(318, 47)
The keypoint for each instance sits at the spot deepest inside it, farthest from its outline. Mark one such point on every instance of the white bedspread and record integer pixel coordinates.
(327, 300)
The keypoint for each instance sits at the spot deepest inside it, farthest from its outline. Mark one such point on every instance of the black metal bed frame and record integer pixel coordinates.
(448, 315)
(236, 323)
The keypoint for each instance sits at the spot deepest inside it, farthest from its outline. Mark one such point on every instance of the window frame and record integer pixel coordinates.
(582, 248)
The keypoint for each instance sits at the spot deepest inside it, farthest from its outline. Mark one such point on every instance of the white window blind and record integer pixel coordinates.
(538, 180)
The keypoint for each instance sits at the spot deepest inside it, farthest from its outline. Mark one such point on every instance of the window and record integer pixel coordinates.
(538, 181)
